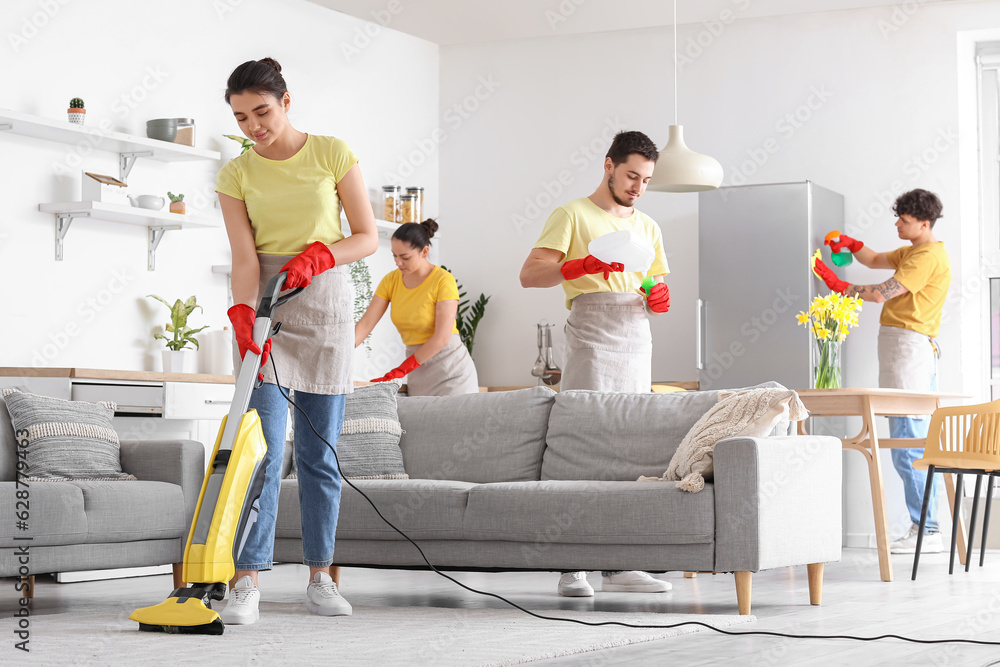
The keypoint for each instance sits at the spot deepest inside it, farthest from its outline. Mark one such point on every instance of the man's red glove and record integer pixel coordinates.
(845, 241)
(830, 278)
(312, 261)
(658, 298)
(404, 368)
(576, 268)
(242, 316)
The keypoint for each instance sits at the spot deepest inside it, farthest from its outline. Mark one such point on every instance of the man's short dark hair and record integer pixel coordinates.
(626, 143)
(921, 204)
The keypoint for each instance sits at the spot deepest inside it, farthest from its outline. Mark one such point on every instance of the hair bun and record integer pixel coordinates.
(431, 225)
(272, 62)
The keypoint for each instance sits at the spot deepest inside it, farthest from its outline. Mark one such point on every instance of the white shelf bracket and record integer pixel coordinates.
(127, 160)
(63, 221)
(6, 126)
(155, 236)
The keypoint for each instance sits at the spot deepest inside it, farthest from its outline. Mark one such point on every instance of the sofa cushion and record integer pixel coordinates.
(55, 514)
(590, 512)
(8, 445)
(487, 437)
(132, 512)
(620, 436)
(422, 508)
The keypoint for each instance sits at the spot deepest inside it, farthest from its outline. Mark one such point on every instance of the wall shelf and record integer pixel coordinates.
(158, 222)
(129, 147)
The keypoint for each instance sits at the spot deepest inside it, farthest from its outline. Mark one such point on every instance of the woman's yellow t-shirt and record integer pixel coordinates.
(291, 203)
(413, 310)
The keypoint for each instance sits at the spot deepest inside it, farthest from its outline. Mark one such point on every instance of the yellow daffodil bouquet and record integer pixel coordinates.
(830, 319)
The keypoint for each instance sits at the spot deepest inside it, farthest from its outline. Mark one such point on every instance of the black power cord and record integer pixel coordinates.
(592, 623)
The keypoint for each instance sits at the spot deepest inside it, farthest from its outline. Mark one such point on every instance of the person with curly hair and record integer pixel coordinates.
(912, 299)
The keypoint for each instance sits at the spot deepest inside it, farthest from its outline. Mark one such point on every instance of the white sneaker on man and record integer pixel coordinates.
(244, 597)
(323, 598)
(633, 582)
(575, 585)
(931, 544)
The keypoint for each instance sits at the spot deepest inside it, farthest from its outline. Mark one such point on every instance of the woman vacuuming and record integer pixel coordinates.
(424, 300)
(281, 201)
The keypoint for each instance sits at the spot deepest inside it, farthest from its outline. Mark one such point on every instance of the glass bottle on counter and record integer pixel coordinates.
(419, 191)
(390, 203)
(410, 208)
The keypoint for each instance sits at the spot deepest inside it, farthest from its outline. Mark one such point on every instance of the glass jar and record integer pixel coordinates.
(410, 208)
(390, 203)
(419, 191)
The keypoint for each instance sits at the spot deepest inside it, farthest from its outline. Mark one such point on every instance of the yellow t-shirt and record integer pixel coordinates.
(291, 203)
(925, 270)
(573, 226)
(413, 309)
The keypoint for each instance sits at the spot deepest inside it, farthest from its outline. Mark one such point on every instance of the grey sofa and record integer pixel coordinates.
(95, 525)
(538, 480)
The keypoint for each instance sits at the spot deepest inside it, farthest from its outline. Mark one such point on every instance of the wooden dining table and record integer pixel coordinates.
(868, 404)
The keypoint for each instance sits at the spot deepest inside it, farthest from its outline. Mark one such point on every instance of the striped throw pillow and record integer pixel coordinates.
(368, 447)
(64, 440)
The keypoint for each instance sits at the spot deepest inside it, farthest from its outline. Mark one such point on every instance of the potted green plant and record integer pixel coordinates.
(176, 203)
(77, 114)
(176, 358)
(244, 142)
(468, 317)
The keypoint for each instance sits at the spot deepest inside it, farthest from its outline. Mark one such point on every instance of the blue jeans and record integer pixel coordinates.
(318, 475)
(914, 481)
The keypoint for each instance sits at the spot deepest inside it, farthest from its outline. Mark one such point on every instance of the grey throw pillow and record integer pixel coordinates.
(368, 447)
(65, 440)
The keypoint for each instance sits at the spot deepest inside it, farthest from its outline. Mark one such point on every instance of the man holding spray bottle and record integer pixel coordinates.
(608, 340)
(907, 348)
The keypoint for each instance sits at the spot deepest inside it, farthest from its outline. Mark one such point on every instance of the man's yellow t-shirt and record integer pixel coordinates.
(925, 270)
(291, 203)
(413, 310)
(572, 227)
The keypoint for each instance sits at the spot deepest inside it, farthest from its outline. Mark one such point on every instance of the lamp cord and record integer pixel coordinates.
(675, 62)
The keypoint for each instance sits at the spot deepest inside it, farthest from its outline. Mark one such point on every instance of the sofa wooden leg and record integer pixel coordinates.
(815, 582)
(29, 592)
(179, 576)
(743, 591)
(335, 574)
(690, 575)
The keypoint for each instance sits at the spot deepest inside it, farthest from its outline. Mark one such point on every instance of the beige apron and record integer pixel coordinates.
(906, 360)
(609, 346)
(447, 373)
(315, 348)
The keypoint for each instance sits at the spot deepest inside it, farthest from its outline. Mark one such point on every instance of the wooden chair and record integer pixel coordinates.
(961, 440)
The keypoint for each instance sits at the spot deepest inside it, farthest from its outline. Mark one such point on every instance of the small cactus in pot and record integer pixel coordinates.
(176, 203)
(77, 114)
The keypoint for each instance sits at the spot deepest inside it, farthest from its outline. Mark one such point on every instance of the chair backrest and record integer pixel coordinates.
(964, 437)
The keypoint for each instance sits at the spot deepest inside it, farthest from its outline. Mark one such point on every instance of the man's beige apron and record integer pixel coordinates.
(906, 359)
(447, 373)
(609, 346)
(315, 348)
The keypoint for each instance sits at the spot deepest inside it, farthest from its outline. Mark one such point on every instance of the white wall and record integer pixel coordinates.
(135, 61)
(864, 102)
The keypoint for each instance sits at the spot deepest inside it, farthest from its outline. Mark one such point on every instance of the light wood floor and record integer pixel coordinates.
(854, 602)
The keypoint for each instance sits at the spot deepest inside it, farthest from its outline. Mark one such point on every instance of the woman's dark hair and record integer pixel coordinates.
(417, 234)
(921, 204)
(257, 76)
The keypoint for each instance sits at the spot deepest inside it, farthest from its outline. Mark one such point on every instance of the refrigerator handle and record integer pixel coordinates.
(699, 327)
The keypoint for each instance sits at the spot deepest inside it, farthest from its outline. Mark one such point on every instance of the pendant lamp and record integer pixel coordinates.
(680, 169)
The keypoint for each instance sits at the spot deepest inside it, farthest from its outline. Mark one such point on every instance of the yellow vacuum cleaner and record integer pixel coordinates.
(227, 505)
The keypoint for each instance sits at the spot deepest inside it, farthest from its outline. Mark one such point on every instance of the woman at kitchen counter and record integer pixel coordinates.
(424, 300)
(281, 202)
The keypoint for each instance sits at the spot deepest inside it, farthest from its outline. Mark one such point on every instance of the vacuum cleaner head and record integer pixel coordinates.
(187, 611)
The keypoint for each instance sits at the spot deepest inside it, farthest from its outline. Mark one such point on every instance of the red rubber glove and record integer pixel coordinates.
(830, 278)
(576, 268)
(658, 297)
(845, 241)
(408, 365)
(312, 261)
(242, 316)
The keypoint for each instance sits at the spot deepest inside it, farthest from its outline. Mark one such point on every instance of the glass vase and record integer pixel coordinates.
(826, 373)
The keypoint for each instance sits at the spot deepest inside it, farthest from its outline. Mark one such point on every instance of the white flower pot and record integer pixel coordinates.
(77, 117)
(181, 361)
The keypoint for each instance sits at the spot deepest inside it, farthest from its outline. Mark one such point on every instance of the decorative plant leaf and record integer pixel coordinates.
(467, 317)
(182, 334)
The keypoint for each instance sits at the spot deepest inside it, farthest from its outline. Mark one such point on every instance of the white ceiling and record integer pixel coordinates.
(448, 22)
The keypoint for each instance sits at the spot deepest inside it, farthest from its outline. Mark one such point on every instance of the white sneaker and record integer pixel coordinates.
(931, 544)
(323, 598)
(575, 585)
(242, 606)
(633, 582)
